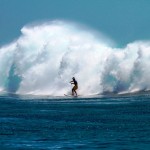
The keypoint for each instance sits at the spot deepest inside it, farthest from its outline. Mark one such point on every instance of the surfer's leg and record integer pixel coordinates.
(74, 89)
(76, 93)
(72, 92)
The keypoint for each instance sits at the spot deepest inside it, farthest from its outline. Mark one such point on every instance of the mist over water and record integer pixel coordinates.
(43, 60)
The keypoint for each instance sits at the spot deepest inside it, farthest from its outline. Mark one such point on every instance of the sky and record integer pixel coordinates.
(124, 21)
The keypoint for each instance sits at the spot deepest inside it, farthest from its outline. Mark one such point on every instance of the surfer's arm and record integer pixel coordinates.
(71, 82)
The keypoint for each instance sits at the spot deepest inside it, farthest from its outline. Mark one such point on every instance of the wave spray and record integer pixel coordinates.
(45, 57)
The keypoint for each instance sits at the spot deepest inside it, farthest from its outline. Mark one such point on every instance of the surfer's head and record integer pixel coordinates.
(73, 78)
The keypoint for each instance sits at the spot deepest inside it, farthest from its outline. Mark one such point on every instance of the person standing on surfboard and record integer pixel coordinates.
(75, 86)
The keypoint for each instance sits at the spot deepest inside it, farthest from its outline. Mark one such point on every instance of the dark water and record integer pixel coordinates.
(113, 123)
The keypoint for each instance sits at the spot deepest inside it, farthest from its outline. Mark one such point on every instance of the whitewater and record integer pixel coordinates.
(43, 60)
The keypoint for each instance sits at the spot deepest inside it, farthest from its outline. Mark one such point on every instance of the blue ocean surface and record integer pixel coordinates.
(113, 122)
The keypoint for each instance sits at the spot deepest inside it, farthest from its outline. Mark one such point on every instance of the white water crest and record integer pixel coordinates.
(43, 60)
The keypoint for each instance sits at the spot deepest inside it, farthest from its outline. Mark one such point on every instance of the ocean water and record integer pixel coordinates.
(43, 60)
(112, 122)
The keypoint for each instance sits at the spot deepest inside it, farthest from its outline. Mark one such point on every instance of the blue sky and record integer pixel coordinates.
(124, 21)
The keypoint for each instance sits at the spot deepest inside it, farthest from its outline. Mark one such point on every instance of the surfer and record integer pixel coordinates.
(75, 86)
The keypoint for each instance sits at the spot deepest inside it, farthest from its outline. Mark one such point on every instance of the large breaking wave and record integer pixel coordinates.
(45, 57)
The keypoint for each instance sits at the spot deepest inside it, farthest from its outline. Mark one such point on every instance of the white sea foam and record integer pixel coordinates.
(46, 56)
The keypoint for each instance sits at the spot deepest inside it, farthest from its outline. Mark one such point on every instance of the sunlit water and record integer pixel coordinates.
(75, 123)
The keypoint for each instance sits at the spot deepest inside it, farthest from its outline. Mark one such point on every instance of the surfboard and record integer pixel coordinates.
(70, 95)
